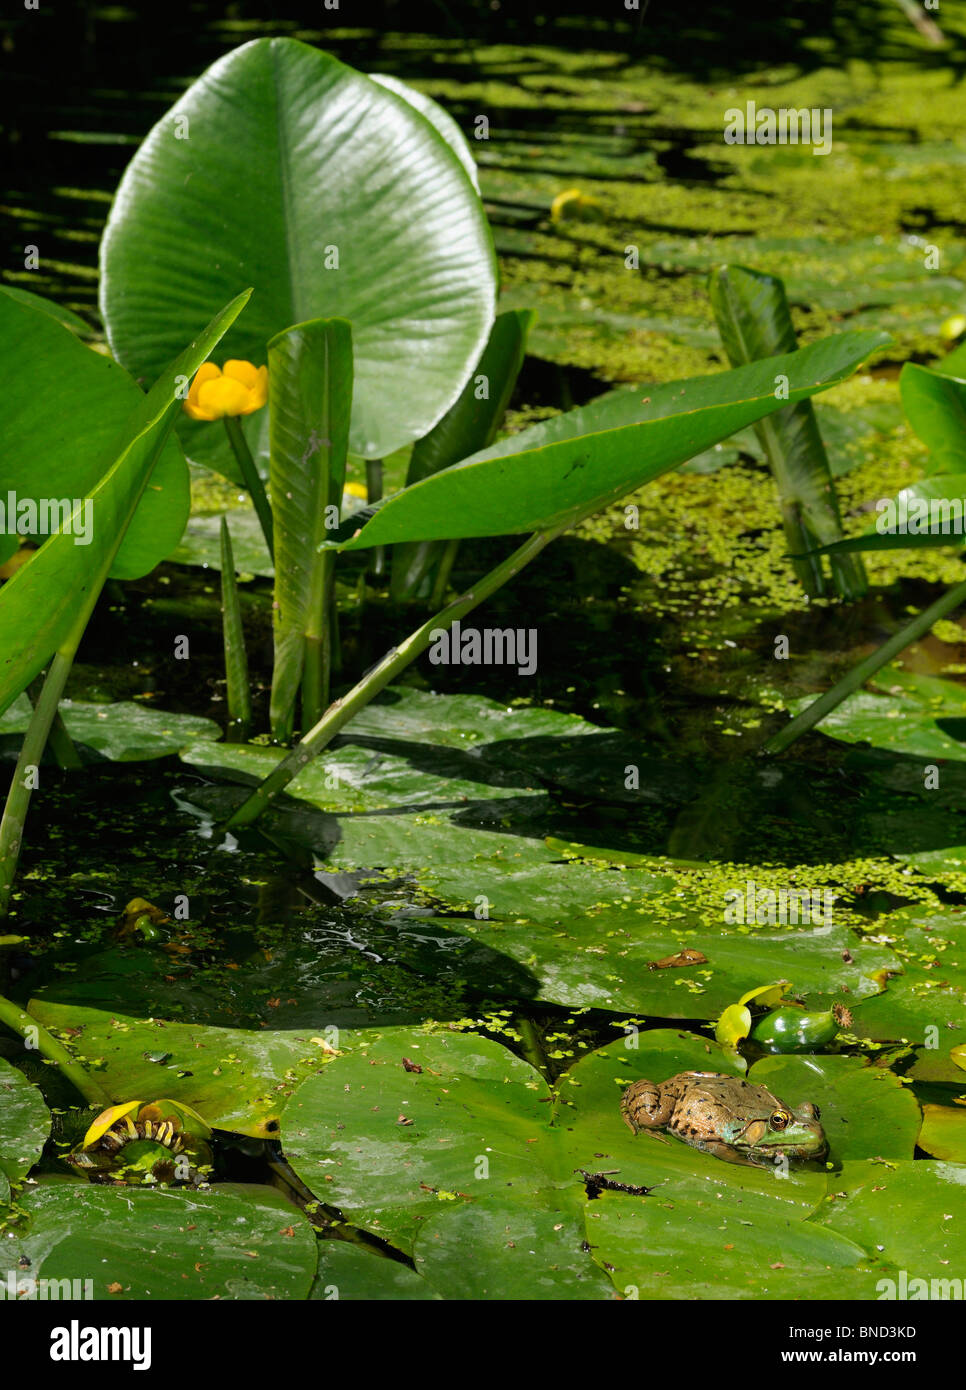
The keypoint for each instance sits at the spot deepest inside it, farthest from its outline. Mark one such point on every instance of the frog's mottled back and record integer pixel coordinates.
(726, 1116)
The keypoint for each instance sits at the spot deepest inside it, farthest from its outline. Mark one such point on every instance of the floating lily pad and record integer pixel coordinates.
(124, 732)
(442, 1142)
(866, 1110)
(911, 1214)
(534, 1250)
(235, 1079)
(926, 1004)
(446, 790)
(944, 1132)
(386, 1144)
(603, 958)
(921, 716)
(347, 1272)
(201, 543)
(236, 1241)
(24, 1124)
(714, 1249)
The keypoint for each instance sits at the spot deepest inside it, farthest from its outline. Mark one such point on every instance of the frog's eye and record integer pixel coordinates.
(780, 1119)
(816, 1113)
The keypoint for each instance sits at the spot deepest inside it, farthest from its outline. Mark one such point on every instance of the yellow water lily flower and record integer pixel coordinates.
(175, 1113)
(106, 1119)
(572, 203)
(953, 327)
(238, 388)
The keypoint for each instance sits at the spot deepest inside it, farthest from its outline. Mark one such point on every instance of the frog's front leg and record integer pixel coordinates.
(720, 1149)
(646, 1106)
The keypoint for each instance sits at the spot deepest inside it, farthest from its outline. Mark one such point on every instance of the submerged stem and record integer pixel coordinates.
(23, 782)
(443, 571)
(396, 660)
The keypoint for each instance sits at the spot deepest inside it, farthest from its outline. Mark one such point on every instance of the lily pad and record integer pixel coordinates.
(912, 1214)
(346, 1272)
(448, 791)
(535, 1250)
(944, 1132)
(201, 543)
(926, 1004)
(866, 1111)
(713, 1250)
(387, 1143)
(124, 731)
(235, 1079)
(236, 1241)
(442, 1142)
(24, 1124)
(922, 716)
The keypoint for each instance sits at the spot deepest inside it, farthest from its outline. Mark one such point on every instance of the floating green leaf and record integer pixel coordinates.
(237, 1241)
(235, 1079)
(123, 731)
(25, 1123)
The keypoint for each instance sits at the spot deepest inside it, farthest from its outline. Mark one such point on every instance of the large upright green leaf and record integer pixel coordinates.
(276, 155)
(441, 119)
(47, 599)
(935, 406)
(310, 386)
(63, 406)
(755, 322)
(551, 474)
(931, 512)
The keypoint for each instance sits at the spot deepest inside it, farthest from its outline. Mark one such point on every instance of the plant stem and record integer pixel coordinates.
(237, 688)
(396, 660)
(252, 479)
(861, 673)
(62, 746)
(374, 484)
(24, 1025)
(443, 571)
(31, 752)
(317, 657)
(59, 741)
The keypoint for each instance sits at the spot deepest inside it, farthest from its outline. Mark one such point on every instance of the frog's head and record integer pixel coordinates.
(780, 1131)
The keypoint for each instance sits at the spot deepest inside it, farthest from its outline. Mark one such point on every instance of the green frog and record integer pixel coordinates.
(727, 1117)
